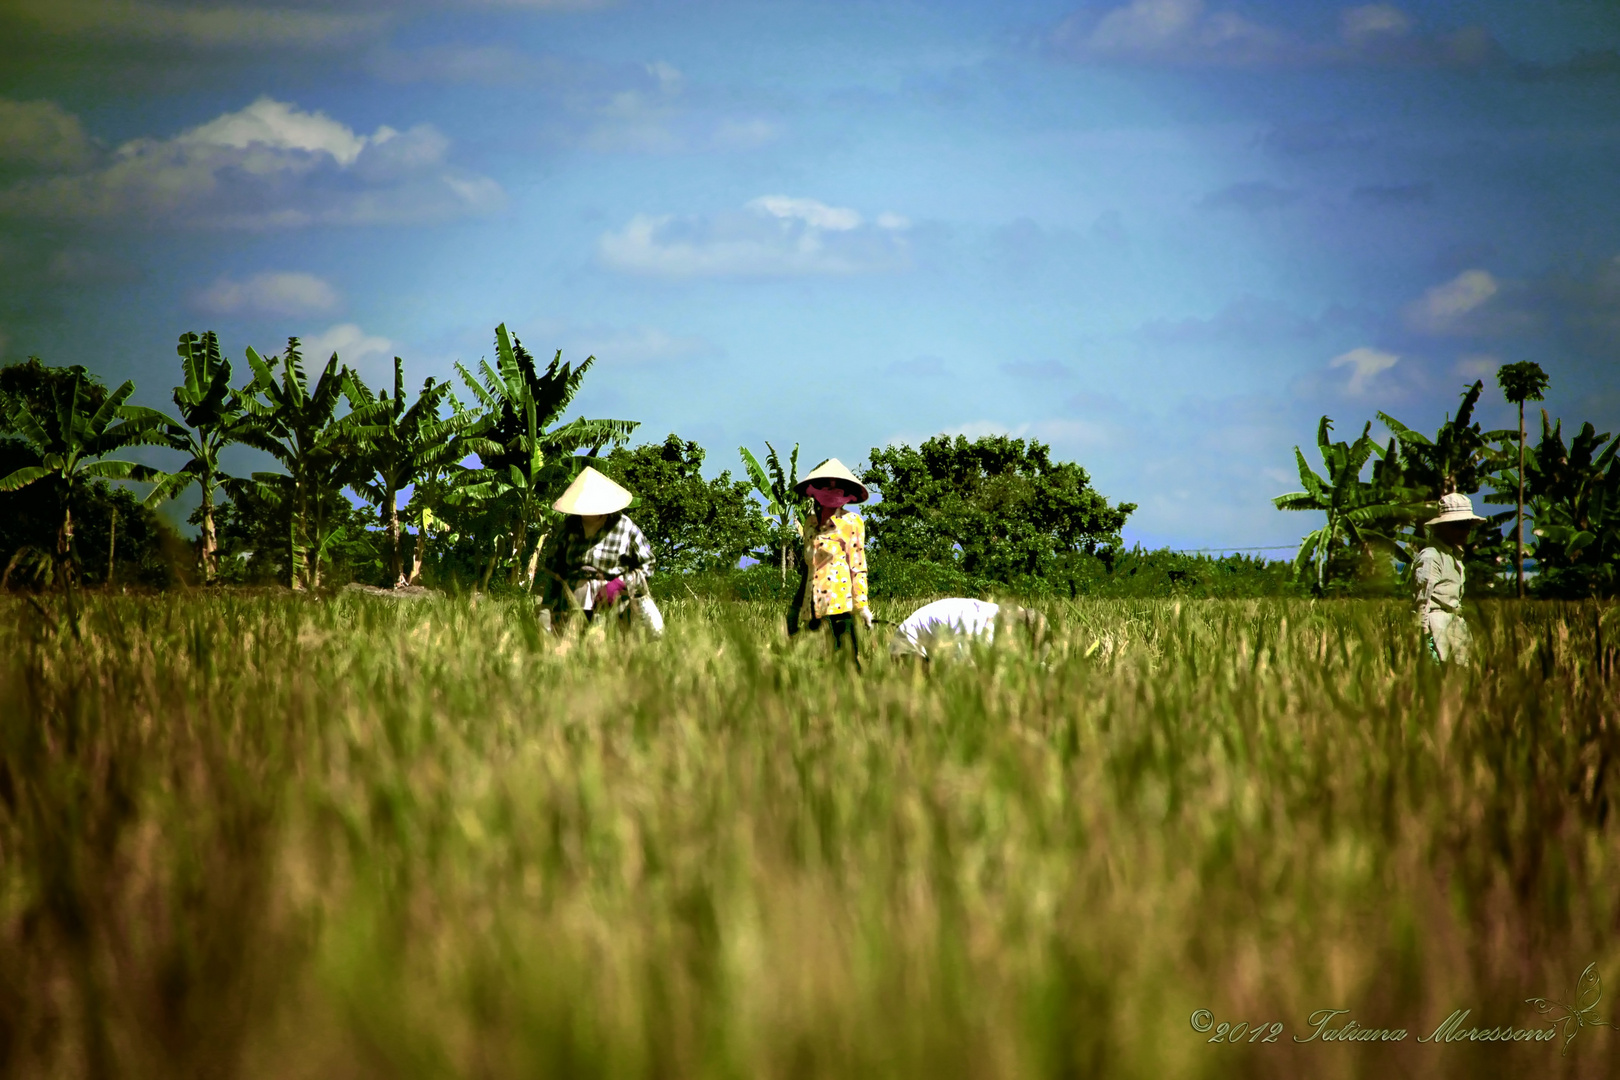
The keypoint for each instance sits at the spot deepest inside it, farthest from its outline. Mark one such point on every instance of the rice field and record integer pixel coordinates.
(260, 836)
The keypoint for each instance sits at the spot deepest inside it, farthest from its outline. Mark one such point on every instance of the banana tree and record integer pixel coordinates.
(72, 443)
(524, 462)
(1459, 456)
(1358, 512)
(513, 499)
(1459, 459)
(297, 423)
(776, 487)
(400, 446)
(1574, 492)
(214, 418)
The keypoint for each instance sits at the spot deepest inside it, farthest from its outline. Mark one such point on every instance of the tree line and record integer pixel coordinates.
(1562, 498)
(481, 460)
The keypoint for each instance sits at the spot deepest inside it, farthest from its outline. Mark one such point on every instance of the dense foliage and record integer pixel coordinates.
(59, 517)
(1374, 523)
(990, 516)
(996, 508)
(693, 524)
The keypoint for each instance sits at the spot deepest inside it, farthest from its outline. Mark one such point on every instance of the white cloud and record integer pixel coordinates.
(817, 215)
(42, 134)
(269, 165)
(1478, 367)
(1168, 31)
(638, 115)
(1442, 309)
(1580, 307)
(642, 345)
(1371, 22)
(1191, 33)
(1365, 364)
(1066, 433)
(269, 294)
(670, 79)
(277, 125)
(82, 266)
(772, 236)
(602, 106)
(356, 349)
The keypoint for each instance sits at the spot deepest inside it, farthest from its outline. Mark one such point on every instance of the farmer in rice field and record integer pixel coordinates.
(600, 560)
(946, 629)
(832, 586)
(1437, 578)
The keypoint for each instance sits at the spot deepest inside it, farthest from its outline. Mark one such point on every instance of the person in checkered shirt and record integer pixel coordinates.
(600, 559)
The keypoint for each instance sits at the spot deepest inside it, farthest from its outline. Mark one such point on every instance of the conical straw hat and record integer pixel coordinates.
(592, 493)
(833, 469)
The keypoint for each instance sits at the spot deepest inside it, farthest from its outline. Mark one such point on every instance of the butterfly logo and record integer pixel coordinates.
(1588, 992)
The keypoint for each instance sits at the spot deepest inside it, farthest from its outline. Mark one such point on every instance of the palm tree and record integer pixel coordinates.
(1520, 383)
(776, 488)
(298, 424)
(214, 418)
(401, 446)
(72, 444)
(523, 459)
(1362, 513)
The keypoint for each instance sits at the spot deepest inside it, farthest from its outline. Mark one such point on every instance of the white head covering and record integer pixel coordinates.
(1454, 507)
(592, 493)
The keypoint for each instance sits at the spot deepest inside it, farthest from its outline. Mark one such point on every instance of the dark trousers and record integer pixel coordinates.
(843, 634)
(842, 626)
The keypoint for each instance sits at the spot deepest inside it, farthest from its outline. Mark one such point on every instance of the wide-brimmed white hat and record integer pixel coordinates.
(1454, 507)
(833, 469)
(592, 493)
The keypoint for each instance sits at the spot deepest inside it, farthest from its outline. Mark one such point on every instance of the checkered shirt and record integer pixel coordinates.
(582, 566)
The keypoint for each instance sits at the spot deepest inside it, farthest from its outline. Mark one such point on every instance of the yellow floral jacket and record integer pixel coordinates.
(836, 558)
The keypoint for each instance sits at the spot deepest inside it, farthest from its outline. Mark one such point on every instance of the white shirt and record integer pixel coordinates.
(957, 615)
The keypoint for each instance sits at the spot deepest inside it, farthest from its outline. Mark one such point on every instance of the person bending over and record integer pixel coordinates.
(600, 560)
(947, 629)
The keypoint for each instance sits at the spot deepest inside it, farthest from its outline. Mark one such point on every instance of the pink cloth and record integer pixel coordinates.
(831, 498)
(610, 592)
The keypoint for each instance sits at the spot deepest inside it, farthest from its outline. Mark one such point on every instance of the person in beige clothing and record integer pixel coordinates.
(1438, 579)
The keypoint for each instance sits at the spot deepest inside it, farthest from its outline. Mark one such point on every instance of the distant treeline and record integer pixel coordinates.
(388, 487)
(1568, 494)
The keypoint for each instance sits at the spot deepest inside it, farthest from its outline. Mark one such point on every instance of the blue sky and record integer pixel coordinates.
(1163, 236)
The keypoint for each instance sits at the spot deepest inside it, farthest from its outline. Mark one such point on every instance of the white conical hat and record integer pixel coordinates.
(592, 493)
(833, 469)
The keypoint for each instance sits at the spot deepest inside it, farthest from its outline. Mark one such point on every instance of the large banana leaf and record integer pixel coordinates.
(24, 476)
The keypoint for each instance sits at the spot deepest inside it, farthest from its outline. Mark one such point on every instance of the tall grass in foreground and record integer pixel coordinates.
(286, 838)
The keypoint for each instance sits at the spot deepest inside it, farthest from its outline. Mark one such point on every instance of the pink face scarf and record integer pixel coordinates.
(829, 498)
